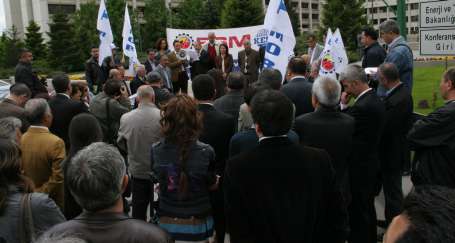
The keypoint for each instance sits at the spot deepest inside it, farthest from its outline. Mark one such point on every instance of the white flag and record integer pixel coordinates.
(129, 48)
(339, 53)
(105, 33)
(327, 64)
(281, 40)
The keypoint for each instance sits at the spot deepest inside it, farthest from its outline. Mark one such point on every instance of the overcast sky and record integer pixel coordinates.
(2, 17)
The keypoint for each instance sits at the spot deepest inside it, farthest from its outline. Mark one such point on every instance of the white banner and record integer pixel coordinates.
(281, 40)
(232, 37)
(105, 33)
(129, 48)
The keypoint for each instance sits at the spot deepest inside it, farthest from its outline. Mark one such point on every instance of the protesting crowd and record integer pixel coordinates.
(207, 149)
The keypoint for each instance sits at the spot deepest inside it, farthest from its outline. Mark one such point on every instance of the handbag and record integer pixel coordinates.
(26, 228)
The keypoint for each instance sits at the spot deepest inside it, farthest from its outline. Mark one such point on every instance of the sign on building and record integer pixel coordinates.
(437, 28)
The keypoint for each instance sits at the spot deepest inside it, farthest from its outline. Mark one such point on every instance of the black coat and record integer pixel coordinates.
(217, 132)
(25, 75)
(200, 66)
(282, 192)
(394, 149)
(433, 140)
(373, 56)
(10, 108)
(330, 130)
(369, 114)
(93, 73)
(230, 103)
(149, 66)
(135, 84)
(63, 110)
(161, 96)
(298, 90)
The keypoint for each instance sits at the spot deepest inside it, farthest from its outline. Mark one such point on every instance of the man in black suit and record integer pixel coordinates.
(218, 130)
(298, 89)
(433, 140)
(369, 114)
(249, 62)
(162, 95)
(373, 53)
(200, 66)
(63, 108)
(138, 80)
(327, 128)
(394, 151)
(24, 74)
(93, 72)
(150, 64)
(280, 191)
(13, 105)
(230, 102)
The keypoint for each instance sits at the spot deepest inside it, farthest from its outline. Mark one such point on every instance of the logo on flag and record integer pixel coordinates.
(333, 58)
(186, 40)
(327, 64)
(260, 39)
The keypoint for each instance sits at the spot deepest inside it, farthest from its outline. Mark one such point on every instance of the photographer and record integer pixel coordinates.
(109, 106)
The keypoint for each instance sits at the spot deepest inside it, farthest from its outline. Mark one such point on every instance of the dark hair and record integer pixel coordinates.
(450, 75)
(389, 71)
(20, 89)
(181, 124)
(22, 51)
(273, 112)
(312, 36)
(431, 214)
(203, 87)
(83, 130)
(271, 77)
(60, 82)
(75, 86)
(371, 32)
(252, 90)
(112, 87)
(158, 44)
(150, 50)
(10, 171)
(175, 41)
(225, 46)
(94, 47)
(236, 80)
(297, 66)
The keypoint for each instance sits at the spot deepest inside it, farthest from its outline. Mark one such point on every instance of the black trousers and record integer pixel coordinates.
(362, 213)
(181, 84)
(393, 192)
(217, 200)
(142, 198)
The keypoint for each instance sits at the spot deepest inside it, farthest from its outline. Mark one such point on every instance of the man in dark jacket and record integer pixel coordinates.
(230, 103)
(150, 64)
(249, 62)
(394, 152)
(373, 53)
(279, 191)
(93, 73)
(327, 128)
(218, 128)
(102, 167)
(138, 80)
(13, 105)
(24, 74)
(162, 95)
(298, 89)
(369, 114)
(433, 140)
(63, 108)
(200, 66)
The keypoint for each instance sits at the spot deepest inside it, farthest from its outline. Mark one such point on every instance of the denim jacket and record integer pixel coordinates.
(200, 172)
(401, 55)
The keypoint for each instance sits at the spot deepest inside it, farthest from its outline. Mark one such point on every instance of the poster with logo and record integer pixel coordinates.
(234, 38)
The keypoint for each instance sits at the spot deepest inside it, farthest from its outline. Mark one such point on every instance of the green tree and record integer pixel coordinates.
(212, 13)
(34, 41)
(63, 51)
(156, 20)
(86, 34)
(293, 15)
(11, 45)
(189, 15)
(241, 13)
(347, 15)
(116, 11)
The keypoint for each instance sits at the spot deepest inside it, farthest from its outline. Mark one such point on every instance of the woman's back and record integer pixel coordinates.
(45, 214)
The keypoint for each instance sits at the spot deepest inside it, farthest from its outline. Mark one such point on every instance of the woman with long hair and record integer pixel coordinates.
(162, 49)
(84, 130)
(224, 61)
(23, 214)
(183, 168)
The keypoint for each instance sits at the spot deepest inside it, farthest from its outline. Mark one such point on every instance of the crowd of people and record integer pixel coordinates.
(252, 155)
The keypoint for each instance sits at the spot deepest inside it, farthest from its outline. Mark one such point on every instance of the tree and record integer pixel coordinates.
(63, 51)
(116, 11)
(34, 41)
(11, 45)
(347, 15)
(293, 15)
(156, 17)
(86, 34)
(189, 15)
(212, 13)
(241, 13)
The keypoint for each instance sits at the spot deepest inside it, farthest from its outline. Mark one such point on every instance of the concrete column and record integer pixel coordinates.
(310, 15)
(25, 14)
(41, 16)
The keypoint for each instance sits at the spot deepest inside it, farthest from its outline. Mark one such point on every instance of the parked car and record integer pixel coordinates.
(4, 89)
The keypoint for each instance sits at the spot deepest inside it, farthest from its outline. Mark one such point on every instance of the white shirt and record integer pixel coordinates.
(297, 77)
(65, 94)
(267, 137)
(41, 127)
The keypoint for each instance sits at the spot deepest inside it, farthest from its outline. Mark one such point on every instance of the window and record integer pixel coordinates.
(315, 16)
(415, 18)
(314, 6)
(383, 9)
(305, 16)
(414, 6)
(304, 5)
(61, 8)
(305, 26)
(374, 10)
(375, 21)
(295, 5)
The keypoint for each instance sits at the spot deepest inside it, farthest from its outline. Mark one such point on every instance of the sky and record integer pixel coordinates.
(2, 17)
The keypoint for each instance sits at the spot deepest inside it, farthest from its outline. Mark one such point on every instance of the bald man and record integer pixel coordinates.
(249, 62)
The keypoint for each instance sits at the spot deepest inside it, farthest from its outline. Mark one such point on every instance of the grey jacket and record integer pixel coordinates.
(167, 83)
(45, 215)
(139, 129)
(116, 109)
(401, 55)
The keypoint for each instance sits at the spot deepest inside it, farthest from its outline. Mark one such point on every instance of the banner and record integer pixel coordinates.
(334, 58)
(232, 37)
(129, 48)
(105, 33)
(281, 40)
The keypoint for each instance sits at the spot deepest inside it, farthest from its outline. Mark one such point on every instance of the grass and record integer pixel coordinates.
(426, 87)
